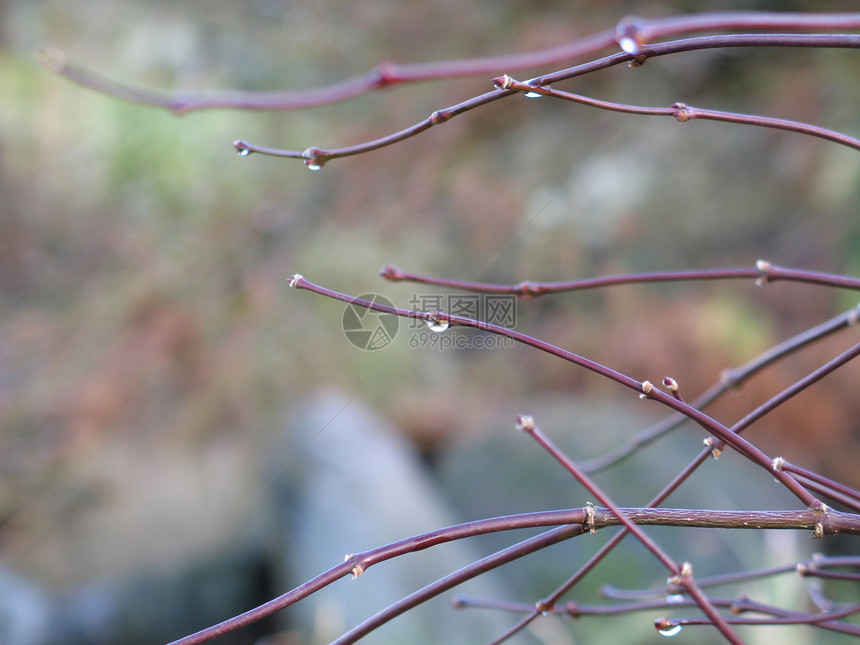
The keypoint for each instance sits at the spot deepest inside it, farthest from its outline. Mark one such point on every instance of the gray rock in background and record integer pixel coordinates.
(347, 483)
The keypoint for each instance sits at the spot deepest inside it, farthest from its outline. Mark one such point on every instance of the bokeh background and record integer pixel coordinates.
(155, 368)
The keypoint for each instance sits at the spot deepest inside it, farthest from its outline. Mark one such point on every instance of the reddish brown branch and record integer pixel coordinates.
(682, 112)
(763, 271)
(389, 74)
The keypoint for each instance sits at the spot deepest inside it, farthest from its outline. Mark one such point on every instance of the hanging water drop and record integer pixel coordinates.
(676, 599)
(435, 323)
(314, 158)
(670, 631)
(242, 148)
(535, 95)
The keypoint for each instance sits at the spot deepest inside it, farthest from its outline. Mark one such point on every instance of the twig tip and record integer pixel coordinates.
(525, 423)
(391, 272)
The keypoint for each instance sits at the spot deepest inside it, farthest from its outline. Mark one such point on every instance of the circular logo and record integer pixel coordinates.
(368, 329)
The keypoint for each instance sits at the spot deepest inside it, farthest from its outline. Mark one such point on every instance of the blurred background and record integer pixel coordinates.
(175, 423)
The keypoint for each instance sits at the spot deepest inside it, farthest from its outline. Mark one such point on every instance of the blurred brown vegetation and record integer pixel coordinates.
(143, 263)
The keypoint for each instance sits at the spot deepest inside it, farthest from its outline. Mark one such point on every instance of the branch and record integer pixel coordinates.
(645, 388)
(572, 522)
(730, 378)
(632, 32)
(825, 620)
(681, 112)
(682, 574)
(763, 272)
(315, 157)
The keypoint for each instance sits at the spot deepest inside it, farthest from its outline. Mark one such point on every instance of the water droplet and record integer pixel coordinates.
(670, 631)
(675, 599)
(244, 152)
(314, 158)
(629, 45)
(435, 323)
(535, 95)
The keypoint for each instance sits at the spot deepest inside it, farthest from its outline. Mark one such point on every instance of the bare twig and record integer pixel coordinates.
(763, 272)
(730, 378)
(389, 74)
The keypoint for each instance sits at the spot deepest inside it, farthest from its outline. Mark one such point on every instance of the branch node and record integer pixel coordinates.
(647, 387)
(383, 75)
(357, 568)
(765, 268)
(819, 508)
(525, 423)
(638, 61)
(778, 464)
(527, 289)
(729, 377)
(572, 609)
(439, 116)
(590, 518)
(681, 112)
(738, 603)
(715, 445)
(543, 607)
(682, 578)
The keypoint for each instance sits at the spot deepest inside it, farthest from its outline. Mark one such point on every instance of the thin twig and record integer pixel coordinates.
(729, 379)
(763, 271)
(645, 388)
(388, 74)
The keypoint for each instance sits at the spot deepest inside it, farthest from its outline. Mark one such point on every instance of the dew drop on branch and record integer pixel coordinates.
(436, 324)
(535, 95)
(629, 45)
(670, 631)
